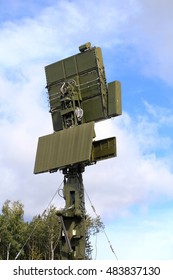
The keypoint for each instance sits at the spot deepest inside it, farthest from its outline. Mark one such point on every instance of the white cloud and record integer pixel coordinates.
(27, 45)
(134, 177)
(149, 238)
(154, 38)
(57, 30)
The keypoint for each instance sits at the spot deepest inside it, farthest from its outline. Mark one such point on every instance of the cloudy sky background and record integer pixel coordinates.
(133, 193)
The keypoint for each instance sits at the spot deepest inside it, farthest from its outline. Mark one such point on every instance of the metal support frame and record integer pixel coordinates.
(73, 215)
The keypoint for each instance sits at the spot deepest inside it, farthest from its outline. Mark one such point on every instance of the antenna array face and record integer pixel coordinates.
(79, 81)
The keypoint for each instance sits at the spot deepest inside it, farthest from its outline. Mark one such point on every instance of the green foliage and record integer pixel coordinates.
(44, 234)
(39, 239)
(93, 226)
(12, 229)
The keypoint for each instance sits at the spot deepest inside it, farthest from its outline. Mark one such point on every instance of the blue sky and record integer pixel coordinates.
(133, 193)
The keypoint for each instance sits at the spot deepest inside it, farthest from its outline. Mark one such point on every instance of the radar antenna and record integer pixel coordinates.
(79, 96)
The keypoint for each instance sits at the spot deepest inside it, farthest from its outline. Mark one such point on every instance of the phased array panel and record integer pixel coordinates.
(64, 148)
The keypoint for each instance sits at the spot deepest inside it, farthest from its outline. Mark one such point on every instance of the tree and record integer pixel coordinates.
(45, 234)
(53, 232)
(93, 226)
(12, 228)
(39, 239)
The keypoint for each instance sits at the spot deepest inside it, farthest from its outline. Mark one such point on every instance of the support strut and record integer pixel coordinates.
(73, 215)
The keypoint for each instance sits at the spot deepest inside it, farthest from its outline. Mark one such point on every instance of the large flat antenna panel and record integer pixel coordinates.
(64, 148)
(85, 74)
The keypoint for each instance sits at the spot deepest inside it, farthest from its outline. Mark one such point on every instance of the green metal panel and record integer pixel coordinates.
(89, 85)
(56, 120)
(114, 99)
(70, 66)
(86, 60)
(104, 149)
(55, 72)
(87, 69)
(93, 109)
(64, 148)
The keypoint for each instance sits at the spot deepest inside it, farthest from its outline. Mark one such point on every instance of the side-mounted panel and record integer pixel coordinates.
(114, 99)
(104, 149)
